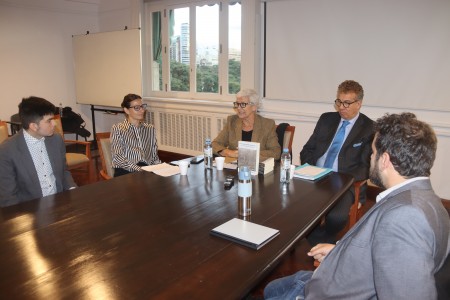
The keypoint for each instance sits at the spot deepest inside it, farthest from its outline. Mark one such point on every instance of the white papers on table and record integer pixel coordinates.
(163, 169)
(245, 233)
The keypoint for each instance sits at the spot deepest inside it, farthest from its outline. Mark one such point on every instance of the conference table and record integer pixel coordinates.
(144, 236)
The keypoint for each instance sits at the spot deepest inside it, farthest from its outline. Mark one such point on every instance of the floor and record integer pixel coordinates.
(297, 260)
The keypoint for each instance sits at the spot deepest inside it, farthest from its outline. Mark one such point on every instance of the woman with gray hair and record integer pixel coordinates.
(247, 125)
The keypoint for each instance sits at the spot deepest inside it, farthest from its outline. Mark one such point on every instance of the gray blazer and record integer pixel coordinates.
(391, 253)
(19, 181)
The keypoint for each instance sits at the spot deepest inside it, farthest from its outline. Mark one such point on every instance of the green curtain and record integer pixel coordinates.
(157, 45)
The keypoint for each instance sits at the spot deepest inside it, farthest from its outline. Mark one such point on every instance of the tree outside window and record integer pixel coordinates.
(202, 72)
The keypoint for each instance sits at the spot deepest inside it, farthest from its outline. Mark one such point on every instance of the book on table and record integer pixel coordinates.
(248, 155)
(245, 233)
(266, 166)
(306, 171)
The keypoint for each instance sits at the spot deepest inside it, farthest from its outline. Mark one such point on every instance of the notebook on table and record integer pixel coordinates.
(309, 172)
(246, 233)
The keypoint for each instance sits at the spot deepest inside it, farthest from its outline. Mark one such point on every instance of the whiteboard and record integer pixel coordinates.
(398, 50)
(107, 66)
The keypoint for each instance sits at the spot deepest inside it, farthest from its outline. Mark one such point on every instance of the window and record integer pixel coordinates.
(195, 50)
(179, 51)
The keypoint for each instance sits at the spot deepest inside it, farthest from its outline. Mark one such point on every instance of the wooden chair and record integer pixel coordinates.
(3, 131)
(288, 138)
(75, 160)
(355, 208)
(104, 149)
(15, 124)
(354, 213)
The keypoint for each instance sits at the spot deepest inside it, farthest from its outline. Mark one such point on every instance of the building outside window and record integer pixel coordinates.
(195, 49)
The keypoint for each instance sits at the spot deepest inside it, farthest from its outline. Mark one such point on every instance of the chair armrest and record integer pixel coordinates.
(86, 144)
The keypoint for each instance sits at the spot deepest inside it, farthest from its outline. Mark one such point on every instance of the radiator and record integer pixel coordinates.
(184, 133)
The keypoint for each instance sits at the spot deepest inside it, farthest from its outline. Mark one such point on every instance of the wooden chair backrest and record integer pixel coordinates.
(58, 126)
(104, 149)
(3, 131)
(288, 137)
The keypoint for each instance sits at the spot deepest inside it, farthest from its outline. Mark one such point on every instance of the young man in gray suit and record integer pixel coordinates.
(341, 141)
(396, 248)
(33, 161)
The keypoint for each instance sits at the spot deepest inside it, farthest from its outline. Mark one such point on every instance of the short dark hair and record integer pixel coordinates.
(33, 109)
(410, 143)
(128, 99)
(351, 86)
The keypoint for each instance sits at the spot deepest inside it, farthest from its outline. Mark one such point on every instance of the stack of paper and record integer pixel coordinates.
(245, 233)
(309, 172)
(163, 169)
(266, 166)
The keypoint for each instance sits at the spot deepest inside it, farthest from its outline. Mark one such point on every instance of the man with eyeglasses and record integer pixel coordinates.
(341, 141)
(247, 125)
(133, 141)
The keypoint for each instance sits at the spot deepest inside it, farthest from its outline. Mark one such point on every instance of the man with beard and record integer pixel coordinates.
(396, 248)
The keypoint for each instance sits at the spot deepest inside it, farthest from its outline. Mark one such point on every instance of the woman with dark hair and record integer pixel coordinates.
(133, 142)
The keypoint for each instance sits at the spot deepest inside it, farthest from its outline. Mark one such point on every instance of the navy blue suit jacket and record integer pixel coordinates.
(354, 156)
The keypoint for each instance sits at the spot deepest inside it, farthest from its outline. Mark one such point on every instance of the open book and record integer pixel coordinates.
(249, 156)
(163, 169)
(245, 233)
(306, 171)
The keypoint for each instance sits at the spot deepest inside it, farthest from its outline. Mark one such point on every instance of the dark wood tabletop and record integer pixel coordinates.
(142, 236)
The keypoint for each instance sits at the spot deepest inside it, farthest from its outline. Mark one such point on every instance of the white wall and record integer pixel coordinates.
(36, 50)
(36, 55)
(113, 15)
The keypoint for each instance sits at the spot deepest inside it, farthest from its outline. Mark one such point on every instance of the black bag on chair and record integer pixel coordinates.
(73, 122)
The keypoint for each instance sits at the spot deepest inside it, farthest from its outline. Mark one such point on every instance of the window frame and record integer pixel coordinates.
(147, 57)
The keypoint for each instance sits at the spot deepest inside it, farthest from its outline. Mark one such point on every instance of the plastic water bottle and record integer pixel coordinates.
(285, 166)
(207, 151)
(60, 110)
(244, 191)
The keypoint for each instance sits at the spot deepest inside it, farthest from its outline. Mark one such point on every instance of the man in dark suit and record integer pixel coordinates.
(341, 141)
(396, 248)
(33, 161)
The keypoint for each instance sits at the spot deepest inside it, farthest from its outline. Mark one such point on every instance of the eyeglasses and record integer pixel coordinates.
(241, 104)
(346, 104)
(139, 107)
